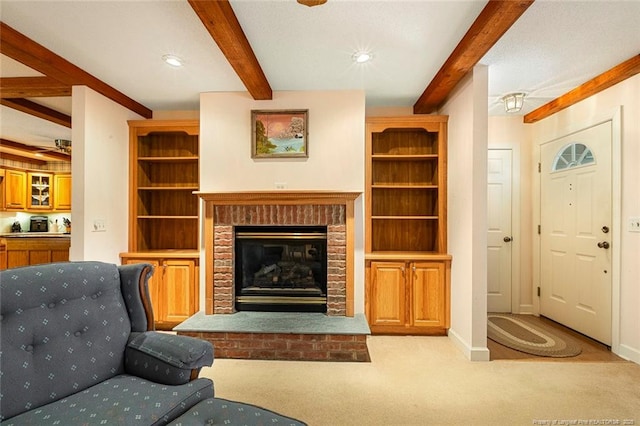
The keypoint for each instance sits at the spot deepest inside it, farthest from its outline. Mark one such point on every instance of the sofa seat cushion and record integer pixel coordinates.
(218, 411)
(121, 400)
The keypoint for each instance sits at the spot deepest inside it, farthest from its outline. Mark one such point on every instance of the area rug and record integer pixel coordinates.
(520, 333)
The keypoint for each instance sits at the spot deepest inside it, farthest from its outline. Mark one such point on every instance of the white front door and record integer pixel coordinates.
(575, 258)
(499, 231)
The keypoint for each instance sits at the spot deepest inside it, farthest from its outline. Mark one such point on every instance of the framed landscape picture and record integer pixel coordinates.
(279, 134)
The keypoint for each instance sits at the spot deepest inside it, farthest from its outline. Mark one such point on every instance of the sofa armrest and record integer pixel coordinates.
(167, 358)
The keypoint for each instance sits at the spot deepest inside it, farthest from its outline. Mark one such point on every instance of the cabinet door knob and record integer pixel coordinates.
(506, 239)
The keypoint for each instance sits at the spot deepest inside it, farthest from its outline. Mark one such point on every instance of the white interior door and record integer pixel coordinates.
(575, 258)
(499, 235)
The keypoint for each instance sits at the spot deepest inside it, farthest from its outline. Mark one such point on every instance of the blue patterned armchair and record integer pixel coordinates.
(78, 347)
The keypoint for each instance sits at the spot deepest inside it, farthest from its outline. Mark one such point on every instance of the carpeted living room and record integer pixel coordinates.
(320, 212)
(413, 380)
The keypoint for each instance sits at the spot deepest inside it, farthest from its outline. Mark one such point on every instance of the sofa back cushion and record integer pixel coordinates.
(64, 328)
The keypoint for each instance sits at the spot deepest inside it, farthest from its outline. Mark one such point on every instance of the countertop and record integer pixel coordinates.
(35, 235)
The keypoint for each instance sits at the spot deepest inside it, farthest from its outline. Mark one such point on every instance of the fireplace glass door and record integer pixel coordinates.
(281, 268)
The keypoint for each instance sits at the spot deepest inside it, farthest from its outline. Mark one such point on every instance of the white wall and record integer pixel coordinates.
(336, 151)
(467, 213)
(597, 108)
(508, 132)
(100, 173)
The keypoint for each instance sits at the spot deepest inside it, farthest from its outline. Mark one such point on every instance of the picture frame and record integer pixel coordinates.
(280, 133)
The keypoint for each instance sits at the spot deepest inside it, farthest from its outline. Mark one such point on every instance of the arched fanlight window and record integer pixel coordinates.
(573, 155)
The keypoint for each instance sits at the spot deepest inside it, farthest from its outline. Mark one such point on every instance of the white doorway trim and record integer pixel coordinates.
(616, 195)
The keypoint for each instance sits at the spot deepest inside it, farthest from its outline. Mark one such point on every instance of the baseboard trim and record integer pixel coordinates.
(525, 309)
(629, 353)
(471, 353)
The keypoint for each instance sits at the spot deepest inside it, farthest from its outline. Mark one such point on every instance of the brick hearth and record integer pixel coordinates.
(282, 335)
(287, 346)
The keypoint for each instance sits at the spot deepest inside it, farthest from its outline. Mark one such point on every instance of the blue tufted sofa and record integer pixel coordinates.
(77, 346)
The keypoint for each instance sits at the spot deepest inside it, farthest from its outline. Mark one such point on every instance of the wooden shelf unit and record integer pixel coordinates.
(164, 214)
(164, 174)
(405, 221)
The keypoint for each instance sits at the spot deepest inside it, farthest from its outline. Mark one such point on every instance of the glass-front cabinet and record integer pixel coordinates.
(39, 190)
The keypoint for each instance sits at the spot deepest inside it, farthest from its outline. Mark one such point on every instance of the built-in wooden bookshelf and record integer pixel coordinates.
(164, 214)
(407, 266)
(164, 175)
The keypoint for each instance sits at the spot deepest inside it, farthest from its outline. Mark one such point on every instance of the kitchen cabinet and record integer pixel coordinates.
(409, 297)
(173, 287)
(406, 261)
(3, 254)
(29, 190)
(62, 192)
(39, 191)
(28, 250)
(15, 190)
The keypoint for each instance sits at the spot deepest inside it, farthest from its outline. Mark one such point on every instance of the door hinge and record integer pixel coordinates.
(539, 230)
(539, 167)
(538, 291)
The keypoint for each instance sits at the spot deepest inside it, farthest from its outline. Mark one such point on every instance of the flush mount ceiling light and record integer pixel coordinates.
(312, 3)
(172, 60)
(361, 57)
(513, 102)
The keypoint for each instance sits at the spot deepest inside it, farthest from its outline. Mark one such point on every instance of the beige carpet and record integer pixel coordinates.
(427, 381)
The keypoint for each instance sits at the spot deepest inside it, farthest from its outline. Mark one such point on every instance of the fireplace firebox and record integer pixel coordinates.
(281, 268)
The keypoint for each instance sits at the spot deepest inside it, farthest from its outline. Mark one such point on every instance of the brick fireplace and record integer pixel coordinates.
(226, 210)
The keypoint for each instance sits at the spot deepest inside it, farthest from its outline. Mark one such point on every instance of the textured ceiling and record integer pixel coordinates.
(552, 48)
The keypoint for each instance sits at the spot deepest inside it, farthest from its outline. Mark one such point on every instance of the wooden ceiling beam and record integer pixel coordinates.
(37, 110)
(494, 20)
(32, 87)
(26, 51)
(32, 153)
(221, 22)
(615, 75)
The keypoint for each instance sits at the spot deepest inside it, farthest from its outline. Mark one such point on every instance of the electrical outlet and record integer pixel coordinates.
(280, 185)
(99, 225)
(634, 224)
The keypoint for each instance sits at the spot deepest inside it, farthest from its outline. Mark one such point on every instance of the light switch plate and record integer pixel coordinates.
(634, 224)
(99, 225)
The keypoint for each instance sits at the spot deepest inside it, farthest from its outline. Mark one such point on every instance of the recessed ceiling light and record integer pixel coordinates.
(172, 60)
(361, 57)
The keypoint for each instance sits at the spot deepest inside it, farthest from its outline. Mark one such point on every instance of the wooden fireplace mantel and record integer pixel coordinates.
(294, 197)
(279, 197)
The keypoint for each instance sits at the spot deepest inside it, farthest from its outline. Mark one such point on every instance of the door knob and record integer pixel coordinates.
(604, 245)
(605, 229)
(506, 239)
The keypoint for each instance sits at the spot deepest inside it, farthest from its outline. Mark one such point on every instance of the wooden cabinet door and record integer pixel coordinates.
(15, 189)
(60, 255)
(179, 289)
(39, 191)
(62, 192)
(388, 293)
(428, 294)
(37, 257)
